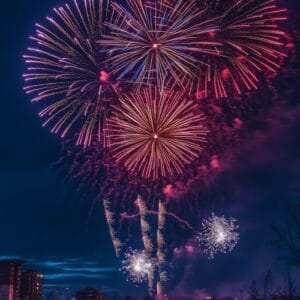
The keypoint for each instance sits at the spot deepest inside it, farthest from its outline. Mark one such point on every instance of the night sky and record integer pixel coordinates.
(44, 222)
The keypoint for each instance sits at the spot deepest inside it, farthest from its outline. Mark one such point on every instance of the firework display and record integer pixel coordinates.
(138, 266)
(140, 85)
(218, 234)
(250, 43)
(66, 73)
(156, 134)
(154, 42)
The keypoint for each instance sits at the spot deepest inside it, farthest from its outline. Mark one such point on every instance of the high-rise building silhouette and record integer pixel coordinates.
(10, 280)
(31, 285)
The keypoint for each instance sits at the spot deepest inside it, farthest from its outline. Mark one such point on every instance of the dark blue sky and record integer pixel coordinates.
(53, 229)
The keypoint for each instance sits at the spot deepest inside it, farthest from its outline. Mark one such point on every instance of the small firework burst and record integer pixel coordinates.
(138, 266)
(218, 234)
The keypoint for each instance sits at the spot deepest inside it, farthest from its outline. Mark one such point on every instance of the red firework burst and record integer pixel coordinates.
(251, 43)
(156, 134)
(66, 73)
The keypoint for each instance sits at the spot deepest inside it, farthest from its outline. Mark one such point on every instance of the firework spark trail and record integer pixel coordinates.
(146, 236)
(149, 43)
(152, 212)
(156, 134)
(252, 43)
(161, 256)
(218, 234)
(65, 71)
(145, 226)
(111, 222)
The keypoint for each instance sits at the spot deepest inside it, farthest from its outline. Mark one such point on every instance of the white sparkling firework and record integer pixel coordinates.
(218, 234)
(138, 266)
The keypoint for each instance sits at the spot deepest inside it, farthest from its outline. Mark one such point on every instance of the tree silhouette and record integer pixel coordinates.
(253, 291)
(288, 235)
